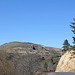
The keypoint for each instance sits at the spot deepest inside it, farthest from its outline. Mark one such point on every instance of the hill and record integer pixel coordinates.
(26, 47)
(30, 55)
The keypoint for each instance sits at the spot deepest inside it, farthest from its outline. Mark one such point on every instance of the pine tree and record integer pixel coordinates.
(65, 46)
(73, 27)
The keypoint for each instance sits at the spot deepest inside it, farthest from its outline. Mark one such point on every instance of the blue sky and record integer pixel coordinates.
(44, 22)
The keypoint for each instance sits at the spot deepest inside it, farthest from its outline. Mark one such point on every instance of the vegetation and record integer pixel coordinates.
(66, 46)
(73, 27)
(27, 64)
(6, 66)
(50, 63)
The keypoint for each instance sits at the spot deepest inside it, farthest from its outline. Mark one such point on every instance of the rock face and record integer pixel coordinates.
(67, 62)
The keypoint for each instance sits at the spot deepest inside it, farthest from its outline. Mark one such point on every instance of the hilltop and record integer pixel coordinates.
(26, 47)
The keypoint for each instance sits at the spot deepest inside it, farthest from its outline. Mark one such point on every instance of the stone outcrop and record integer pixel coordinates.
(67, 62)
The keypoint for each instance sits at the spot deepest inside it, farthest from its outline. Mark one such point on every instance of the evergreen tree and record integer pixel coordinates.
(65, 45)
(73, 27)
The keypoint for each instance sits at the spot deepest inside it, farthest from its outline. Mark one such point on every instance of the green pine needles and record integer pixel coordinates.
(73, 27)
(66, 46)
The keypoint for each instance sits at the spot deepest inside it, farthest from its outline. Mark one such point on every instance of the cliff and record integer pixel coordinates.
(67, 62)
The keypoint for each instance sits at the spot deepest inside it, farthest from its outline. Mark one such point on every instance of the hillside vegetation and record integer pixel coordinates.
(27, 58)
(25, 47)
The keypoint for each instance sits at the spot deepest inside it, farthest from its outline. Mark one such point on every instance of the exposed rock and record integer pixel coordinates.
(67, 62)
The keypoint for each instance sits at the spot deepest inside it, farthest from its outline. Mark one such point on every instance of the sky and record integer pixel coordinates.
(44, 22)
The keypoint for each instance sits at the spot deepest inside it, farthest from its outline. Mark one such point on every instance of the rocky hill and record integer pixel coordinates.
(67, 62)
(25, 47)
